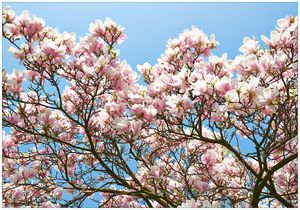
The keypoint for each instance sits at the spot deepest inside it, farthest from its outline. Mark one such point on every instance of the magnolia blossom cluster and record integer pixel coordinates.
(98, 86)
(202, 176)
(240, 98)
(81, 129)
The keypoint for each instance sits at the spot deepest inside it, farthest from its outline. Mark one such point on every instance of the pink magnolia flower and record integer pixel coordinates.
(198, 183)
(68, 39)
(215, 117)
(266, 62)
(45, 118)
(32, 74)
(265, 96)
(19, 54)
(150, 113)
(136, 127)
(35, 26)
(71, 170)
(18, 193)
(114, 109)
(246, 64)
(24, 19)
(14, 119)
(200, 87)
(29, 25)
(159, 104)
(54, 51)
(189, 204)
(23, 173)
(213, 204)
(179, 80)
(281, 38)
(274, 38)
(138, 109)
(209, 158)
(17, 76)
(144, 68)
(7, 141)
(249, 46)
(49, 204)
(280, 59)
(27, 172)
(224, 85)
(14, 87)
(202, 186)
(147, 113)
(89, 44)
(179, 101)
(109, 31)
(36, 165)
(57, 192)
(97, 29)
(8, 15)
(89, 71)
(13, 31)
(155, 171)
(285, 23)
(121, 125)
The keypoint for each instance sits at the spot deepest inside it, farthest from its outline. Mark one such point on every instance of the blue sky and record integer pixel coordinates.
(150, 25)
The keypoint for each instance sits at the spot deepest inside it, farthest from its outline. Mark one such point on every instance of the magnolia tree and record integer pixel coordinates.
(202, 130)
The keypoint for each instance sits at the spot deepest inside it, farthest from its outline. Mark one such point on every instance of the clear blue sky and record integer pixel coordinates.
(150, 25)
